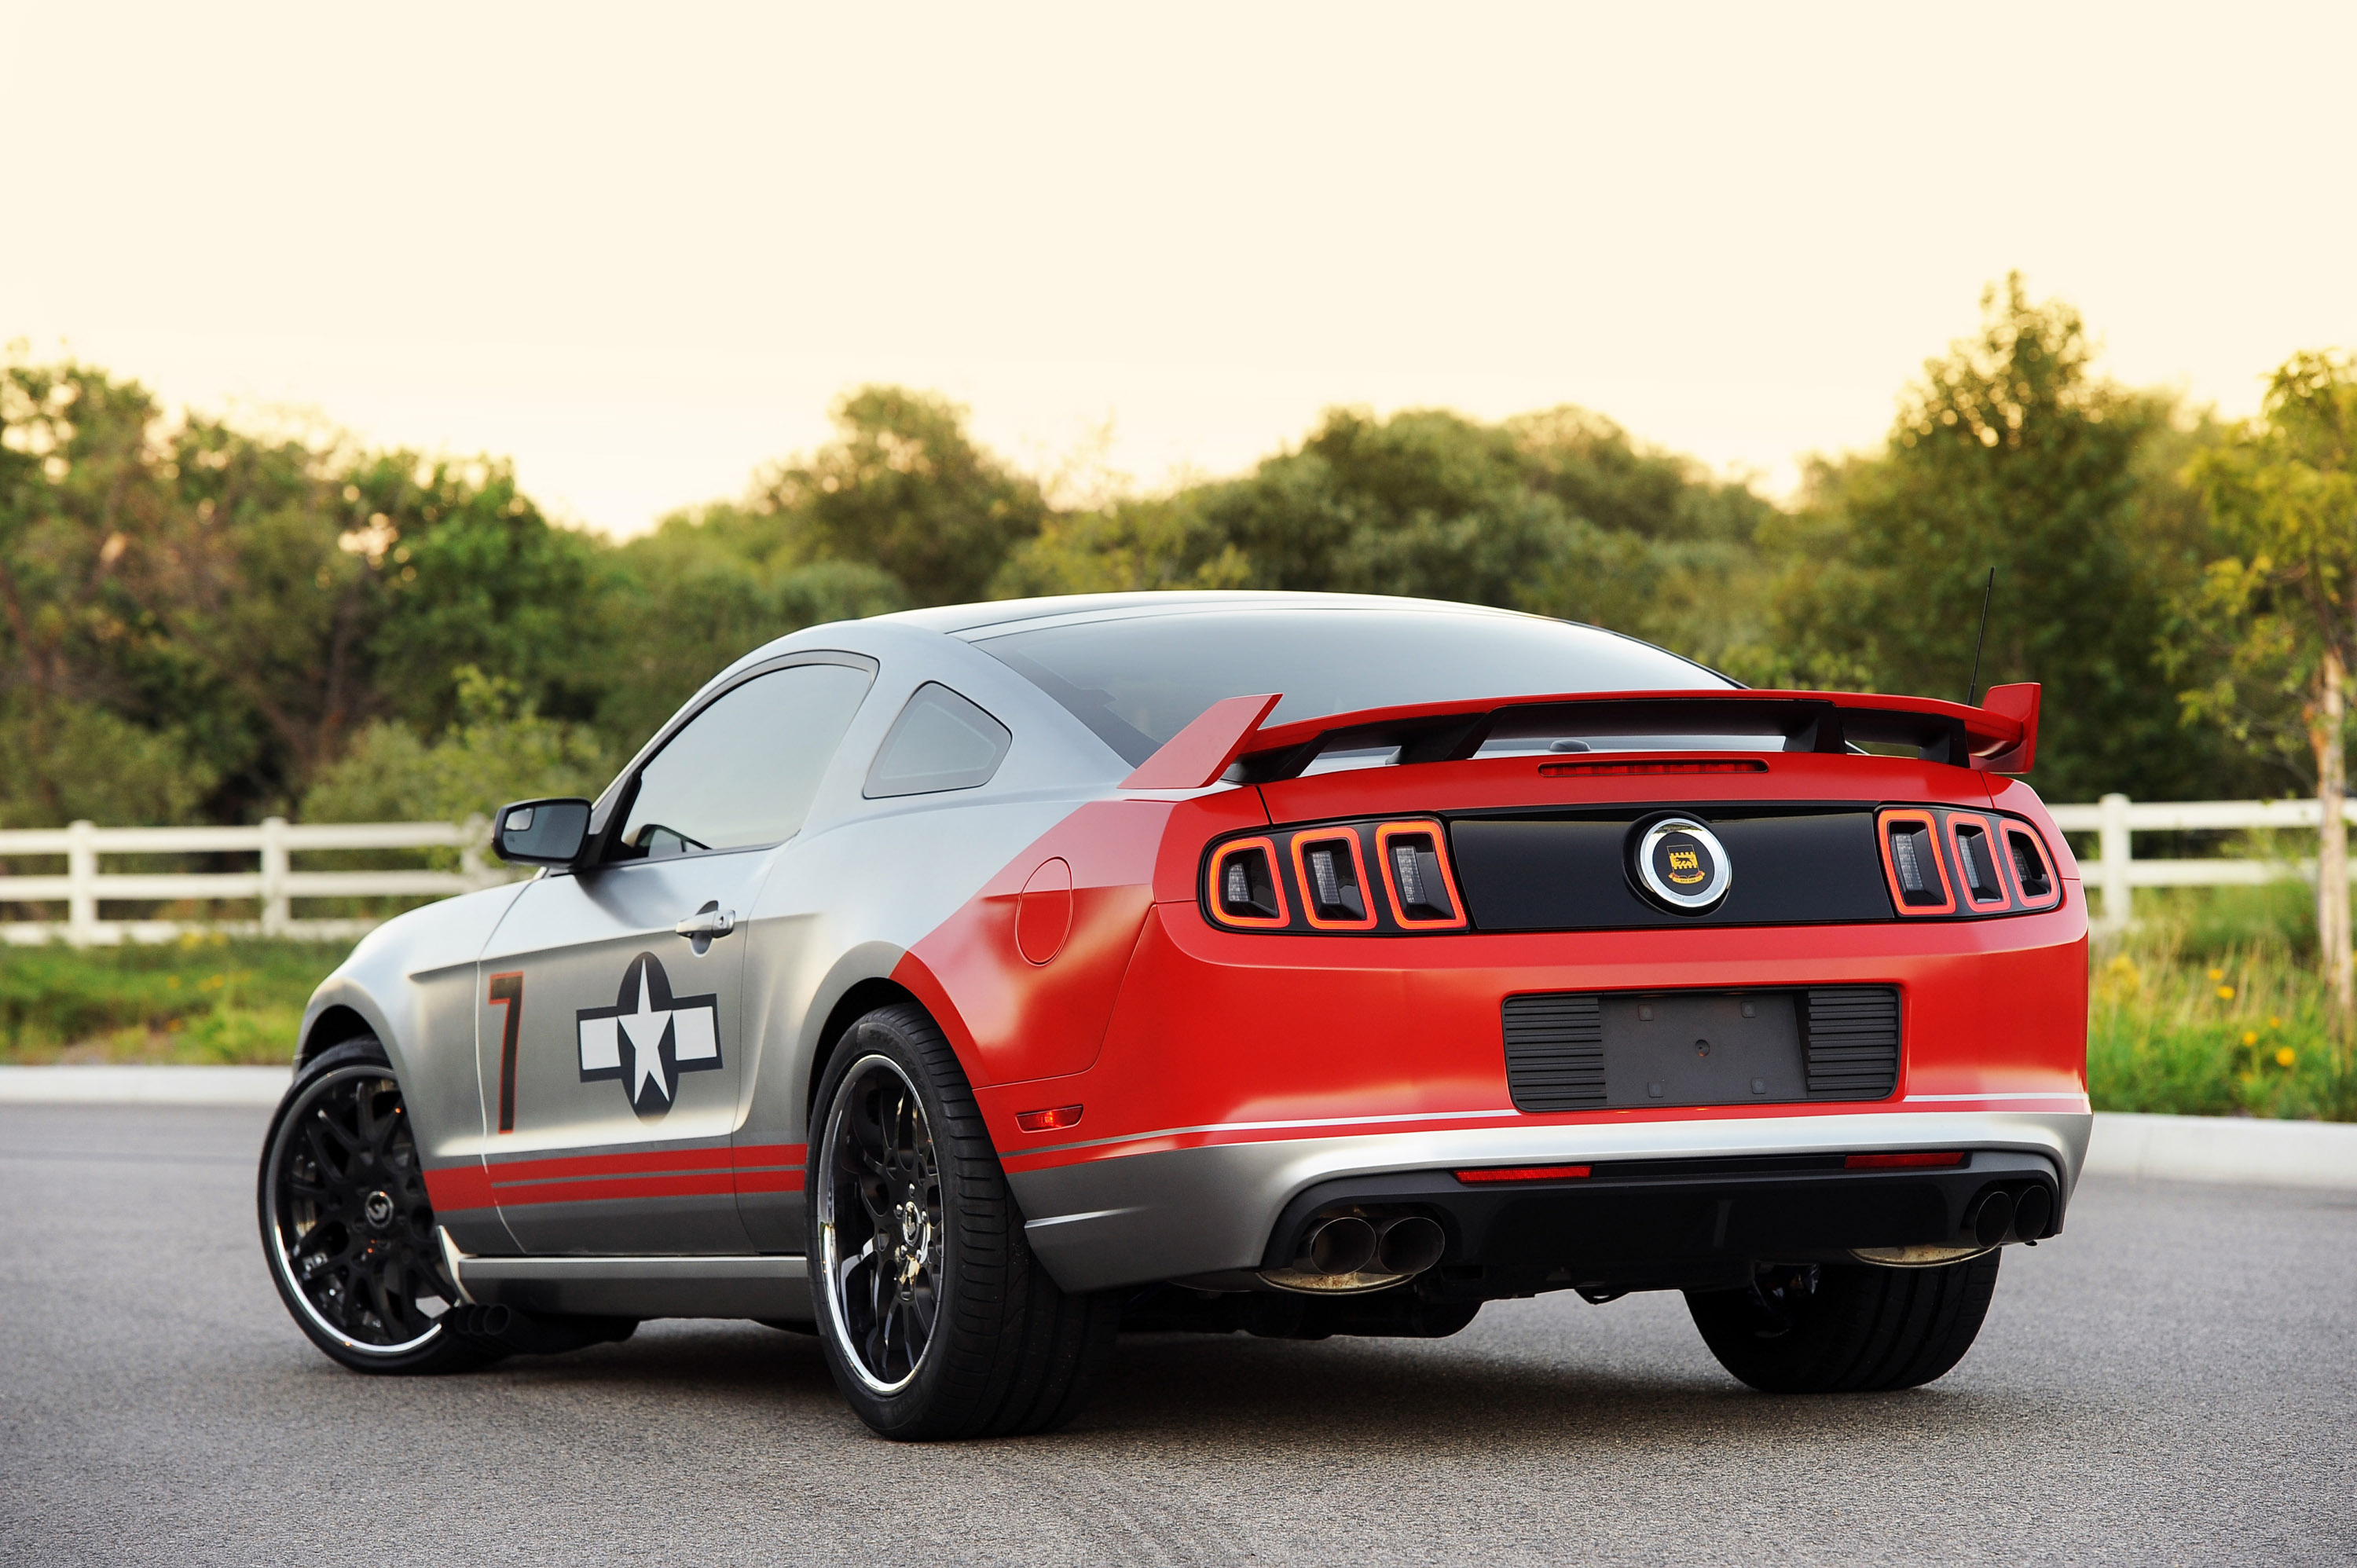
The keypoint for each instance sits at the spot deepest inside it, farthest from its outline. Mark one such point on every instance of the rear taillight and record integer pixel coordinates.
(2033, 874)
(1246, 889)
(1415, 871)
(1333, 880)
(1381, 877)
(1964, 864)
(1973, 842)
(1910, 859)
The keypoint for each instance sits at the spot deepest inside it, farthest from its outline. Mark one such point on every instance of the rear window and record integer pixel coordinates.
(1137, 681)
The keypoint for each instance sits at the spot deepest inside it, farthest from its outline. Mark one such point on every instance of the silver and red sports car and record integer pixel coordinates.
(968, 985)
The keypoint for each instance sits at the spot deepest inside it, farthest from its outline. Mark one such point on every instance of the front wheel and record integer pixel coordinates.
(346, 1227)
(936, 1319)
(1827, 1328)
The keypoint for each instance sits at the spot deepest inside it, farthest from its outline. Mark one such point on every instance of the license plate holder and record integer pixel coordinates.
(1710, 1047)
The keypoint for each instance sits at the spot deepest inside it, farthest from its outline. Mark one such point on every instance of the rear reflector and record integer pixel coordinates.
(1896, 1162)
(1525, 1172)
(1586, 769)
(1055, 1120)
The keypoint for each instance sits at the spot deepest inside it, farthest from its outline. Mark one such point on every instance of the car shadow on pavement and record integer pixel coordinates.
(1331, 1396)
(1346, 1392)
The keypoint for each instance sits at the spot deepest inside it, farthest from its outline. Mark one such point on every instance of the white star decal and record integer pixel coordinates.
(645, 1027)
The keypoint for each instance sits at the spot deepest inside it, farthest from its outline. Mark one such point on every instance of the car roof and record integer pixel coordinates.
(966, 620)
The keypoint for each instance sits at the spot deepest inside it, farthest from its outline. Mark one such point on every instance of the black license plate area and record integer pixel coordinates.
(1703, 1048)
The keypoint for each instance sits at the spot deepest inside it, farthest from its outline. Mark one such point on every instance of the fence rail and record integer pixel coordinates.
(274, 883)
(2117, 872)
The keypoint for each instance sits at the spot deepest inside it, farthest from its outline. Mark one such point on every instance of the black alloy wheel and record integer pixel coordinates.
(1846, 1328)
(934, 1317)
(346, 1225)
(882, 1224)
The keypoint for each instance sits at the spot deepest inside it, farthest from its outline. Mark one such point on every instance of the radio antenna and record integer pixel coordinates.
(1973, 688)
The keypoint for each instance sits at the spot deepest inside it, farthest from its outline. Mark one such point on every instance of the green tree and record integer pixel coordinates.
(2280, 614)
(903, 488)
(705, 587)
(1426, 503)
(497, 748)
(2009, 453)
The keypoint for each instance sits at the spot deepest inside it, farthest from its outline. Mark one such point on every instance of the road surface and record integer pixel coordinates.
(2174, 1381)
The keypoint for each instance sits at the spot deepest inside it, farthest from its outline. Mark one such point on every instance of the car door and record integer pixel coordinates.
(609, 1034)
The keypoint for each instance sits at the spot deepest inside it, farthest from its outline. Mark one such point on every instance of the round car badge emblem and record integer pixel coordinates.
(1684, 865)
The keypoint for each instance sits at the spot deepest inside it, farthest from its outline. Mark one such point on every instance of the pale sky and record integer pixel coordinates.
(638, 249)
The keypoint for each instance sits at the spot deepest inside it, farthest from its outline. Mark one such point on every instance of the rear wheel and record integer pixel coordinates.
(1830, 1328)
(937, 1320)
(346, 1226)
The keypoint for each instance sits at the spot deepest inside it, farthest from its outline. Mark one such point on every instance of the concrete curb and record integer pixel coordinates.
(110, 1085)
(2174, 1148)
(2224, 1148)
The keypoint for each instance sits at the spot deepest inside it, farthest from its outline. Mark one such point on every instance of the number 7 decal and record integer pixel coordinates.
(507, 995)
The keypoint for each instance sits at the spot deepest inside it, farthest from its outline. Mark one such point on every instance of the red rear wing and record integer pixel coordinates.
(1999, 737)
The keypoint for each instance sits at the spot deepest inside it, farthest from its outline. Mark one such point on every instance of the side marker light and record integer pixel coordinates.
(1055, 1120)
(1524, 1173)
(1902, 1162)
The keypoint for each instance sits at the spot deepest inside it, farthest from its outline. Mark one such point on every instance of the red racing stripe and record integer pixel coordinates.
(637, 1173)
(454, 1188)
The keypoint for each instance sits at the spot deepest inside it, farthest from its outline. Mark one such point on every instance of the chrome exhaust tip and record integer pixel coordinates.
(1340, 1246)
(1409, 1245)
(1991, 1217)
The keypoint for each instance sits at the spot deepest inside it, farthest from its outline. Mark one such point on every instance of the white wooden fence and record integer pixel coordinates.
(274, 885)
(2116, 873)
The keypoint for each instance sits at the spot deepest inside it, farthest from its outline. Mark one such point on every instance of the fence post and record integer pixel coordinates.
(2119, 906)
(277, 909)
(81, 873)
(474, 832)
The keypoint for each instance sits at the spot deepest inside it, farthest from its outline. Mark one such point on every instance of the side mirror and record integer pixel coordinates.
(540, 832)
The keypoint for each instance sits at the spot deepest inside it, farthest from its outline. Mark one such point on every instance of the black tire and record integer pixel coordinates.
(936, 1319)
(1841, 1328)
(347, 1229)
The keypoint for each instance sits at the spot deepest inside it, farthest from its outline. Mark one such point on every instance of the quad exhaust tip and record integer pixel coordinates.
(1339, 1246)
(1347, 1254)
(1409, 1245)
(1991, 1217)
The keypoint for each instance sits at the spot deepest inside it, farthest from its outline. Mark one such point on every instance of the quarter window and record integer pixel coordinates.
(941, 741)
(745, 769)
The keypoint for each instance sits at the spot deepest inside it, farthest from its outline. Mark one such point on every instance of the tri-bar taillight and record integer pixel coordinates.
(1383, 876)
(1951, 863)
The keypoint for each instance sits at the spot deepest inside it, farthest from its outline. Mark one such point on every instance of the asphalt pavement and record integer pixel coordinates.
(2173, 1381)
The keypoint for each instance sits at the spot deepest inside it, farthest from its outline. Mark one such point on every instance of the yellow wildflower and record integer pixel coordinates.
(2250, 1037)
(2226, 993)
(2275, 1022)
(2286, 1057)
(2217, 974)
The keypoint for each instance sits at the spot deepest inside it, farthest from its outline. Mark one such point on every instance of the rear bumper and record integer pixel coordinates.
(1230, 1207)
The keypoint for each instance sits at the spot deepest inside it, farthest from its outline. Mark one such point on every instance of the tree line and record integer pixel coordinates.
(200, 622)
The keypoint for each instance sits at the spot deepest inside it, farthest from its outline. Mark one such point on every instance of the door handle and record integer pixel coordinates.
(706, 924)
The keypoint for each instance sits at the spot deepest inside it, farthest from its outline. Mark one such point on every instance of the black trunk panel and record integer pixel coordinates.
(1569, 873)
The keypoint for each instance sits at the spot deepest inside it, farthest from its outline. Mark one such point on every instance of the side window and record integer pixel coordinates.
(941, 741)
(743, 771)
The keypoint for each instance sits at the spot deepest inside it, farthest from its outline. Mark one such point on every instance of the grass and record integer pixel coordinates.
(2209, 1007)
(199, 1000)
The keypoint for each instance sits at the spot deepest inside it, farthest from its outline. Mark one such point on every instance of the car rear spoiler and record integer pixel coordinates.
(1998, 736)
